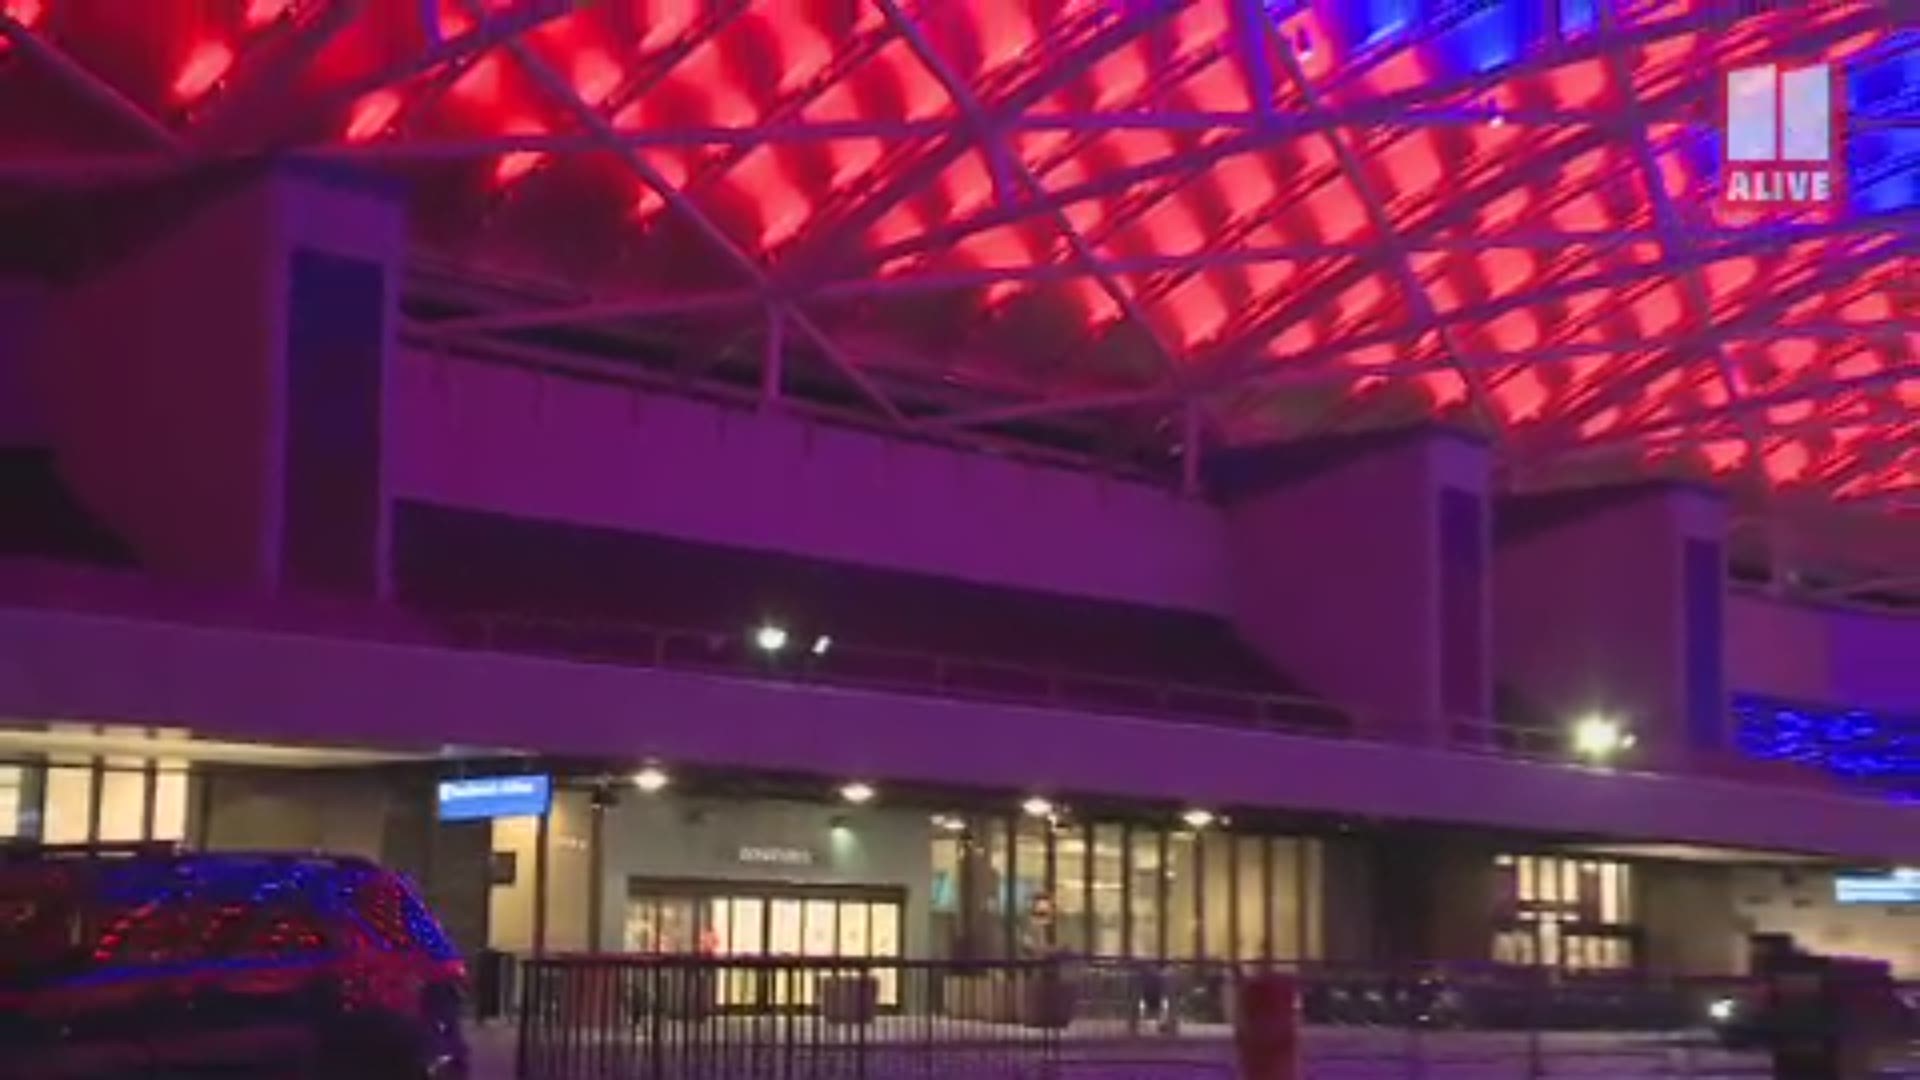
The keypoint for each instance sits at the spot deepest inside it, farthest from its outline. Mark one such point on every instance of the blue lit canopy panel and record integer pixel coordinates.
(1105, 226)
(1861, 748)
(1883, 91)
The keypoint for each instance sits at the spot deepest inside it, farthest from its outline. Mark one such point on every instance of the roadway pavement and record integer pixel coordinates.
(1328, 1054)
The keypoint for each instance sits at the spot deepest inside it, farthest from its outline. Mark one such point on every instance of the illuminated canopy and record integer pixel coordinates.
(1104, 228)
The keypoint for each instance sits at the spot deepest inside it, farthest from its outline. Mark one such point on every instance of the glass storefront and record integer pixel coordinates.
(771, 877)
(1028, 886)
(1565, 912)
(70, 799)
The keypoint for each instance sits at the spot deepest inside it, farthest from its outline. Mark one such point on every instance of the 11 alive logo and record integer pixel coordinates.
(1783, 137)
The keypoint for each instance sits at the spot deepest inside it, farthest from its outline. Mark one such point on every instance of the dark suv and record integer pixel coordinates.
(145, 961)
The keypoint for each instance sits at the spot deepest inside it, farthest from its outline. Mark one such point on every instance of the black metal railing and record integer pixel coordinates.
(868, 666)
(692, 1018)
(686, 1018)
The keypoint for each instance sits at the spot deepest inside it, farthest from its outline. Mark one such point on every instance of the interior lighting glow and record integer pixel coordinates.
(371, 115)
(262, 12)
(1197, 819)
(1037, 807)
(206, 65)
(857, 793)
(821, 644)
(25, 12)
(770, 638)
(651, 779)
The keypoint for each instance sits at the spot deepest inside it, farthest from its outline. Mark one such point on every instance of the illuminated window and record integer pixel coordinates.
(1569, 913)
(170, 801)
(13, 782)
(1109, 886)
(1070, 887)
(68, 818)
(123, 802)
(1252, 938)
(1183, 917)
(115, 801)
(1148, 929)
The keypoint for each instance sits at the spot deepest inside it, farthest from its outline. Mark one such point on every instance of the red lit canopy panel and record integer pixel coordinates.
(1225, 220)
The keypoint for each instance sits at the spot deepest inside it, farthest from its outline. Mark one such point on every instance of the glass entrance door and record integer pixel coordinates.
(664, 925)
(735, 920)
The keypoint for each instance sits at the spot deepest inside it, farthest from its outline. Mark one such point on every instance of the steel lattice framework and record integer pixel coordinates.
(1124, 227)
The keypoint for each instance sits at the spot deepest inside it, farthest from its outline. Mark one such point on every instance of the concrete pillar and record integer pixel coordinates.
(1360, 570)
(22, 307)
(1612, 602)
(215, 393)
(1437, 898)
(1691, 923)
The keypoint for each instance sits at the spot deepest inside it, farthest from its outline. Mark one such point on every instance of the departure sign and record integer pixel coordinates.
(483, 797)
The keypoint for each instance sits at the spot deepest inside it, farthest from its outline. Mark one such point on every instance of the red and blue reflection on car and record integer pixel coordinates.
(131, 960)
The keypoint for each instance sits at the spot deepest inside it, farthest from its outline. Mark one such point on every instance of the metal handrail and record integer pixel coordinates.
(24, 583)
(654, 645)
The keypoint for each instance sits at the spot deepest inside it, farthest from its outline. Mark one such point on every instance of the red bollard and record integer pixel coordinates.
(1267, 1028)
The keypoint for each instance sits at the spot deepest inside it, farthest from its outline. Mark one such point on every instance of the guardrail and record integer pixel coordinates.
(845, 663)
(667, 1018)
(857, 664)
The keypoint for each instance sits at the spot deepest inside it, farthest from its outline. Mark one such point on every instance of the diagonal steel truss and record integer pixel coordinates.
(827, 270)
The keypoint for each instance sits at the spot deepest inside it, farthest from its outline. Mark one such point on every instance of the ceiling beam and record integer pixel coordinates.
(1399, 263)
(831, 243)
(91, 88)
(1671, 227)
(1013, 174)
(584, 114)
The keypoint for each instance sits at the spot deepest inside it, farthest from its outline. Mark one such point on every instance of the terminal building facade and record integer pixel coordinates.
(284, 567)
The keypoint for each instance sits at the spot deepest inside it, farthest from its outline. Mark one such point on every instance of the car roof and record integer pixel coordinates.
(17, 853)
(129, 875)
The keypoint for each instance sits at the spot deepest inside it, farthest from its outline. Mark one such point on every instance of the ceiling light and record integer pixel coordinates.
(857, 793)
(949, 823)
(821, 644)
(1197, 819)
(1599, 738)
(770, 638)
(1037, 807)
(651, 779)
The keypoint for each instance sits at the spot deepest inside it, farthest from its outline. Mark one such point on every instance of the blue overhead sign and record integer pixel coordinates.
(1899, 887)
(483, 797)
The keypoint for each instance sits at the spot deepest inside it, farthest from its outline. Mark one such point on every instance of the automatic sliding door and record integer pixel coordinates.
(747, 937)
(750, 921)
(883, 944)
(785, 917)
(819, 942)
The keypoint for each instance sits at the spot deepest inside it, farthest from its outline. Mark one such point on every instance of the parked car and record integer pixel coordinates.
(145, 960)
(1752, 1017)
